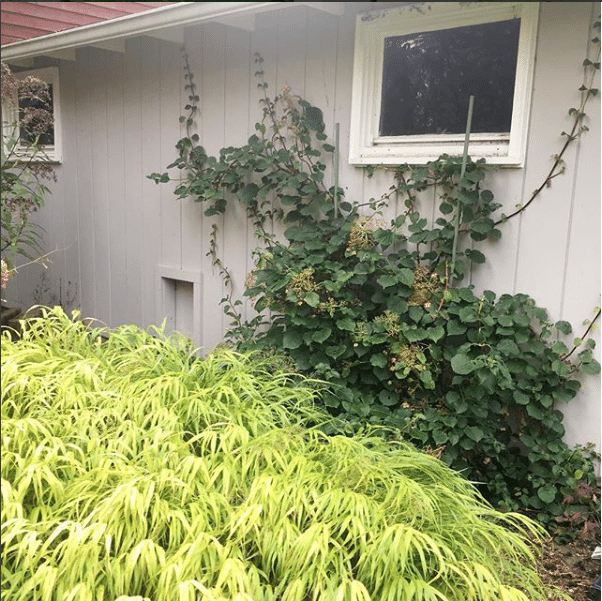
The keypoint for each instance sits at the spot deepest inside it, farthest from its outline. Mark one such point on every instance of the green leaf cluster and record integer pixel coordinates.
(379, 310)
(132, 469)
(280, 159)
(475, 378)
(23, 167)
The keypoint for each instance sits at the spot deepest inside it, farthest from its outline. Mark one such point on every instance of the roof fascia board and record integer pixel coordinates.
(148, 22)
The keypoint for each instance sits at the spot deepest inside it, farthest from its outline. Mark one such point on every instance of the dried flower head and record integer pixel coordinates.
(289, 98)
(5, 273)
(35, 103)
(302, 282)
(390, 321)
(425, 284)
(250, 279)
(360, 236)
(10, 85)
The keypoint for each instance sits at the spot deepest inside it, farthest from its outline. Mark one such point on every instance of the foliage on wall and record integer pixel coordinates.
(24, 169)
(133, 470)
(378, 309)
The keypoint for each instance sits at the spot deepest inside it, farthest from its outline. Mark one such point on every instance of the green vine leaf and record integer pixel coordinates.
(462, 364)
(378, 310)
(564, 327)
(312, 299)
(292, 339)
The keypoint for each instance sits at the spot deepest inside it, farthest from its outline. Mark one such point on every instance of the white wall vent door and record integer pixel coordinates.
(179, 301)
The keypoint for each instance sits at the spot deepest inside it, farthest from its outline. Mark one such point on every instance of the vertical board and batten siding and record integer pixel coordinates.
(123, 235)
(552, 250)
(116, 223)
(210, 74)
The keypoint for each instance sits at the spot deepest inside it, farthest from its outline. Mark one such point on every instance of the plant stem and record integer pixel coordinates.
(591, 325)
(458, 215)
(558, 160)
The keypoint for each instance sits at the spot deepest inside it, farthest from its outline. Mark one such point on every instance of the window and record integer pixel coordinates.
(50, 141)
(415, 68)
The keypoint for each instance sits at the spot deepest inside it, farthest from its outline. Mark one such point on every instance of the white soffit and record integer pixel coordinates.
(165, 22)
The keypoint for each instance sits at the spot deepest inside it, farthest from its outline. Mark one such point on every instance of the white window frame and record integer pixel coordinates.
(367, 147)
(48, 153)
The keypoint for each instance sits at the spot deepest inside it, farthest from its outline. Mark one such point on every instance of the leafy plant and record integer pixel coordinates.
(23, 168)
(377, 309)
(473, 377)
(581, 504)
(131, 469)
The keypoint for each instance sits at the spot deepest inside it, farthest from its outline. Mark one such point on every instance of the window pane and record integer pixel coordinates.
(38, 108)
(428, 77)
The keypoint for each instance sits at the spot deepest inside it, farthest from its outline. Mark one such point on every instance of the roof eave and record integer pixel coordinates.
(175, 15)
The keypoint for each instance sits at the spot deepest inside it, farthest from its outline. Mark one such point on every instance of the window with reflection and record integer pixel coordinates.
(416, 66)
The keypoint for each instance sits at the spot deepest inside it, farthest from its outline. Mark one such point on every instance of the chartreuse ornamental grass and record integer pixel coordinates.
(132, 470)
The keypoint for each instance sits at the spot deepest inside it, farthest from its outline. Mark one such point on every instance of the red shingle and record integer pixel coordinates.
(25, 20)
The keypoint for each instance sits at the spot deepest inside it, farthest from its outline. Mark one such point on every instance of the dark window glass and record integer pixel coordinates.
(29, 133)
(428, 78)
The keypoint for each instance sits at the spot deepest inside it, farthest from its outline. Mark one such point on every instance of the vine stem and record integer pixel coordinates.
(591, 325)
(558, 159)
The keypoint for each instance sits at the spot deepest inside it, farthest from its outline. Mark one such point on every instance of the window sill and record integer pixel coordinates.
(50, 156)
(497, 152)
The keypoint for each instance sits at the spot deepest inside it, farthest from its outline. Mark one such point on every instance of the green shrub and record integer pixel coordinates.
(379, 308)
(133, 470)
(23, 169)
(478, 379)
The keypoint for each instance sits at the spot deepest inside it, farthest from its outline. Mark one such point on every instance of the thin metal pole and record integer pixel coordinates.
(458, 216)
(336, 169)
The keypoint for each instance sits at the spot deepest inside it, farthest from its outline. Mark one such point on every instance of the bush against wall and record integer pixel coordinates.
(378, 309)
(25, 118)
(134, 470)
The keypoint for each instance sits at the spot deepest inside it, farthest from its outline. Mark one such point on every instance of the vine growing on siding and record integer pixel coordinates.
(587, 92)
(369, 306)
(24, 170)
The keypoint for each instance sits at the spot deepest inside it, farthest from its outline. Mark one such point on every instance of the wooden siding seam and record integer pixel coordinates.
(576, 171)
(569, 232)
(107, 191)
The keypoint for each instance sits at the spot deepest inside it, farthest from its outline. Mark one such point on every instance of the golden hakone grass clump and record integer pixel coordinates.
(134, 470)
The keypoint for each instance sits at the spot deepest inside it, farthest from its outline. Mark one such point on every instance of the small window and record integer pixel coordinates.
(49, 141)
(416, 67)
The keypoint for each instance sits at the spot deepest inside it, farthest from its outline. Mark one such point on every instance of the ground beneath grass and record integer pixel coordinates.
(571, 568)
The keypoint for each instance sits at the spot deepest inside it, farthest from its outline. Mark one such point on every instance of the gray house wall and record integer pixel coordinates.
(129, 252)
